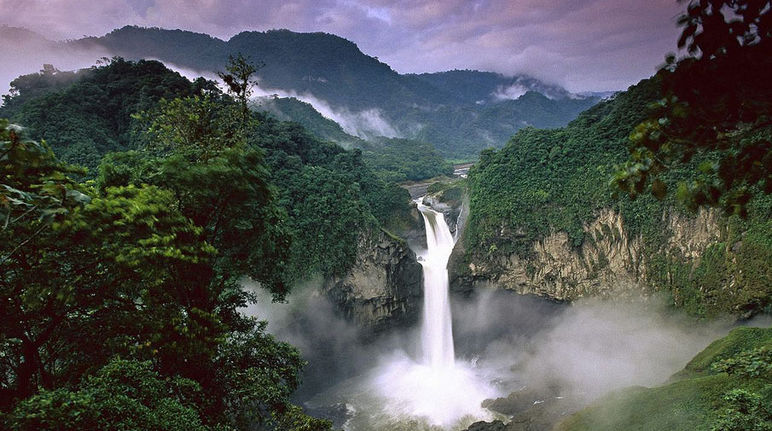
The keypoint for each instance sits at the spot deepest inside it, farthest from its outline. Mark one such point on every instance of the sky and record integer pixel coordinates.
(583, 45)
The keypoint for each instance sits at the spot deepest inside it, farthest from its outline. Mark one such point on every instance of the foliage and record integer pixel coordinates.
(329, 195)
(90, 113)
(122, 395)
(195, 126)
(144, 266)
(715, 103)
(552, 180)
(546, 181)
(219, 183)
(391, 159)
(399, 160)
(183, 142)
(238, 79)
(748, 364)
(34, 184)
(292, 109)
(28, 87)
(746, 411)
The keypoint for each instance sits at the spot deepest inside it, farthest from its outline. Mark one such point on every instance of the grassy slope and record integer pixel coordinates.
(694, 400)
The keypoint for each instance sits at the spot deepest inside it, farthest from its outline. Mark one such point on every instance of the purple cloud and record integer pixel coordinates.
(581, 44)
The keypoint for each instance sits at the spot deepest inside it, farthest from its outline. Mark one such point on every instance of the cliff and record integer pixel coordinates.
(384, 286)
(684, 258)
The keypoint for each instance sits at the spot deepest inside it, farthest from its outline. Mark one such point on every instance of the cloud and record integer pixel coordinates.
(582, 44)
(511, 92)
(365, 124)
(24, 52)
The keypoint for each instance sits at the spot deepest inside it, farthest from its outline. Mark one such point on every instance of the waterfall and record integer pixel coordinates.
(437, 330)
(433, 390)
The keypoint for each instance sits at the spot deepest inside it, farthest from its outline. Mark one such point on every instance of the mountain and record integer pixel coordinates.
(459, 112)
(544, 220)
(472, 86)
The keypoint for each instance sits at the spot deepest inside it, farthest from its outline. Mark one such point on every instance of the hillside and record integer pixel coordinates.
(86, 115)
(459, 112)
(543, 219)
(725, 387)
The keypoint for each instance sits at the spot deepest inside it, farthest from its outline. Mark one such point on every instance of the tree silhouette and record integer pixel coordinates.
(238, 78)
(716, 104)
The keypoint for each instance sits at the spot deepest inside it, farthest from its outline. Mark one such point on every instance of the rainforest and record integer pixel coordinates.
(277, 231)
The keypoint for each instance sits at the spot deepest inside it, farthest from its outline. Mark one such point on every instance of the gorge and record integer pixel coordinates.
(516, 356)
(279, 232)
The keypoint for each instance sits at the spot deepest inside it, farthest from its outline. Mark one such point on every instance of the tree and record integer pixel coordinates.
(198, 127)
(126, 395)
(123, 270)
(716, 106)
(220, 183)
(35, 195)
(84, 274)
(238, 78)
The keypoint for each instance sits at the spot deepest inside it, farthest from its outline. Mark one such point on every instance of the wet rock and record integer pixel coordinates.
(383, 288)
(610, 262)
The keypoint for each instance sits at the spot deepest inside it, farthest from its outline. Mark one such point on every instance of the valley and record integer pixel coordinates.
(277, 231)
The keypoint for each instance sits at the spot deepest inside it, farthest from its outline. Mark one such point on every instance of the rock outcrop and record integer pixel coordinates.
(383, 287)
(453, 203)
(608, 263)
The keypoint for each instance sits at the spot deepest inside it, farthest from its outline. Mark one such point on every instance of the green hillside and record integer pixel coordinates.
(545, 181)
(442, 109)
(728, 386)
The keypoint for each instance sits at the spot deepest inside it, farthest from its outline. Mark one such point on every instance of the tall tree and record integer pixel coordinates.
(238, 78)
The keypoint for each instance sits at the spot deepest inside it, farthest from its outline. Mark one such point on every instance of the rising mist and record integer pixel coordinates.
(504, 342)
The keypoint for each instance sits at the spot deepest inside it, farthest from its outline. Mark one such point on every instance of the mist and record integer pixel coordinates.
(24, 52)
(504, 343)
(365, 124)
(593, 347)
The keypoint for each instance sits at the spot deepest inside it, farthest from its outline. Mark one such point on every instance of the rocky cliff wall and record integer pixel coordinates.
(384, 286)
(610, 262)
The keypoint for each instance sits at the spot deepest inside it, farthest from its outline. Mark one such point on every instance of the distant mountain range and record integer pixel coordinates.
(460, 112)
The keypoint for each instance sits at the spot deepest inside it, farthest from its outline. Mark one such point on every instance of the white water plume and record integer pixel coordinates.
(437, 331)
(438, 389)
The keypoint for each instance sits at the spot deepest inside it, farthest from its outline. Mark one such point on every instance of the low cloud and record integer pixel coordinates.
(24, 53)
(511, 92)
(365, 124)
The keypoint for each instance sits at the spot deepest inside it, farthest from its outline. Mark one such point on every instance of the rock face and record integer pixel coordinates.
(414, 231)
(383, 287)
(453, 203)
(609, 262)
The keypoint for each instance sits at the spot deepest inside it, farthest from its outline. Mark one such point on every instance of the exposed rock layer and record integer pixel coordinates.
(383, 287)
(609, 261)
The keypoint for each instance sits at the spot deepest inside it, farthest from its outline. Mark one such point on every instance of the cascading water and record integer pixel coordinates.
(437, 388)
(437, 331)
(433, 390)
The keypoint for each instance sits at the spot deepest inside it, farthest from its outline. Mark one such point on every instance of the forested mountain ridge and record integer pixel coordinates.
(544, 219)
(434, 108)
(472, 86)
(85, 114)
(142, 265)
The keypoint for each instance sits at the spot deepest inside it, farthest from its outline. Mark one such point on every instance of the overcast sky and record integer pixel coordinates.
(580, 44)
